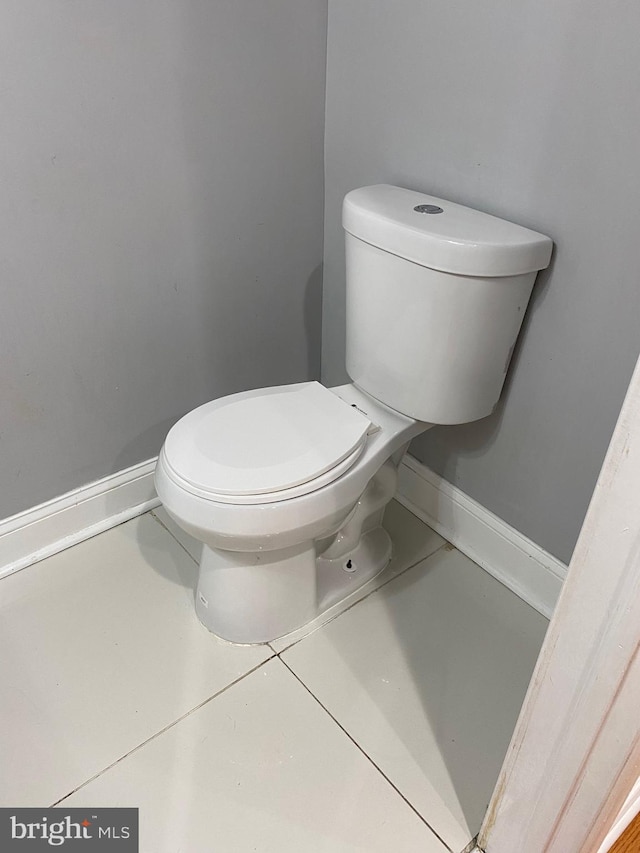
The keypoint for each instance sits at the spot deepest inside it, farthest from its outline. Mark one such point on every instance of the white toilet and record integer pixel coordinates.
(286, 486)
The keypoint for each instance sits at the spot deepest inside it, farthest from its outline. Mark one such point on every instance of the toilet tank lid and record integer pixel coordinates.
(457, 240)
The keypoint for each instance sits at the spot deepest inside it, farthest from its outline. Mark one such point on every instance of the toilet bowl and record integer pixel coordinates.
(286, 486)
(295, 525)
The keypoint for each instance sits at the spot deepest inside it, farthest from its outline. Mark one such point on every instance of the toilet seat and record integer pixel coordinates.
(266, 445)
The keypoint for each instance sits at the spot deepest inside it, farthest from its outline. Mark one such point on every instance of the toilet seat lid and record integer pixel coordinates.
(263, 441)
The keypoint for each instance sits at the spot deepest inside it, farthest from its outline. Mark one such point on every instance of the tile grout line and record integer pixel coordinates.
(173, 536)
(368, 757)
(445, 544)
(165, 729)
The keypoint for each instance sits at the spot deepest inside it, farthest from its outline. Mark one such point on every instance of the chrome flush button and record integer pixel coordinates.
(428, 208)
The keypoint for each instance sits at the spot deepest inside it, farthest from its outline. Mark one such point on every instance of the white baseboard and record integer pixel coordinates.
(517, 562)
(55, 525)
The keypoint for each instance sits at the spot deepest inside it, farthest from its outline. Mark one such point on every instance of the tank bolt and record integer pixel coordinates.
(349, 566)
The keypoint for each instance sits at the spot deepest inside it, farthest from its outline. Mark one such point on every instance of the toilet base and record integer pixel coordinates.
(257, 597)
(339, 577)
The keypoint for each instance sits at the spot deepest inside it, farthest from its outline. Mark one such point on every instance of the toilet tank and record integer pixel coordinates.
(436, 293)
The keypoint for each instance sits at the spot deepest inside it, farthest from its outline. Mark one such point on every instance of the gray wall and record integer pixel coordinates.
(528, 111)
(161, 197)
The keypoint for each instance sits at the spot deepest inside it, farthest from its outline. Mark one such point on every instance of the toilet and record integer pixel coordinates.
(286, 487)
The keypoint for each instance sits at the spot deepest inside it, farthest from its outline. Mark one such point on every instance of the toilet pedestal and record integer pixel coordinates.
(253, 597)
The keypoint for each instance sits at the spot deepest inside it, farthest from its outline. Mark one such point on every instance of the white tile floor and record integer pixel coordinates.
(381, 729)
